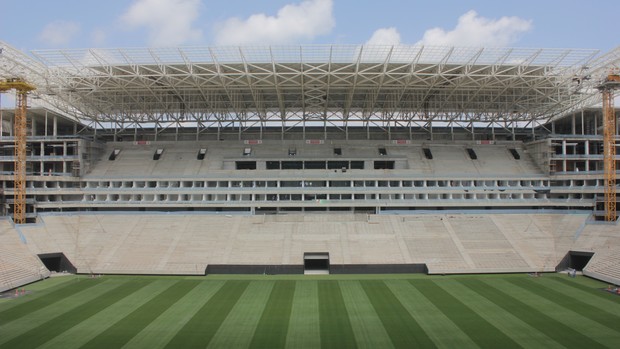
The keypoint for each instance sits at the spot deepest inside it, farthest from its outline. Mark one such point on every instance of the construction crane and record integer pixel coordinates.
(22, 88)
(607, 88)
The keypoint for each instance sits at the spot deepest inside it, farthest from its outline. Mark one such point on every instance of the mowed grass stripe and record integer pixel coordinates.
(575, 305)
(336, 331)
(122, 331)
(442, 331)
(80, 334)
(367, 327)
(513, 326)
(539, 321)
(576, 323)
(44, 299)
(273, 325)
(475, 326)
(159, 332)
(404, 330)
(240, 325)
(199, 330)
(55, 326)
(304, 329)
(608, 303)
(38, 288)
(43, 315)
(577, 283)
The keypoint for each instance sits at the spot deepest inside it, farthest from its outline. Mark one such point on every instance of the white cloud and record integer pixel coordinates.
(385, 36)
(59, 33)
(293, 23)
(474, 30)
(169, 22)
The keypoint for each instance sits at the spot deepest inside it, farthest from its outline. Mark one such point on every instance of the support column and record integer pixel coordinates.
(564, 155)
(586, 148)
(325, 127)
(33, 127)
(595, 125)
(410, 132)
(430, 124)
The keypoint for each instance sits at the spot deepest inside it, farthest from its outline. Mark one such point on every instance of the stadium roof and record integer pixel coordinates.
(291, 85)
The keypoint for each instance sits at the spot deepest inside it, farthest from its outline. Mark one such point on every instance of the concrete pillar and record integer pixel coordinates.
(564, 147)
(33, 128)
(55, 127)
(595, 125)
(564, 154)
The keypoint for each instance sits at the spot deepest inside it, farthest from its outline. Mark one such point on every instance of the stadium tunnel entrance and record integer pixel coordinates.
(576, 260)
(316, 263)
(57, 262)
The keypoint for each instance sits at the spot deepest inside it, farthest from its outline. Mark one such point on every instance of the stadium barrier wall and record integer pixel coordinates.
(378, 269)
(272, 269)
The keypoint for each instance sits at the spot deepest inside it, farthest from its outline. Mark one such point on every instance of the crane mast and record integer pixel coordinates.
(611, 83)
(20, 127)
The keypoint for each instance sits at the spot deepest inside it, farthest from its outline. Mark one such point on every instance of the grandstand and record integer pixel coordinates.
(395, 158)
(18, 266)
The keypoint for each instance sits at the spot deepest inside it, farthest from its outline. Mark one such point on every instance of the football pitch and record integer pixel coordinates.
(334, 311)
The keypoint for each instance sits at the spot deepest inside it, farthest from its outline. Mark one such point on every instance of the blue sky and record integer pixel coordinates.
(30, 24)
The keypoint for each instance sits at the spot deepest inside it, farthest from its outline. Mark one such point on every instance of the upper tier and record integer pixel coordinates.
(367, 159)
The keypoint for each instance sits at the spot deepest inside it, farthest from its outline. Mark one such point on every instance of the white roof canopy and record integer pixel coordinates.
(338, 84)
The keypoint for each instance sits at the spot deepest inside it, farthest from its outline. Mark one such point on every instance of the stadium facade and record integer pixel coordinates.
(337, 131)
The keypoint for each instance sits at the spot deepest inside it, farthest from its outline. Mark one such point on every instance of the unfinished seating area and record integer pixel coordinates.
(605, 266)
(296, 176)
(185, 243)
(604, 241)
(179, 158)
(18, 265)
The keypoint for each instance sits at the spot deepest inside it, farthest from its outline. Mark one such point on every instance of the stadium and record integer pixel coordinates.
(314, 160)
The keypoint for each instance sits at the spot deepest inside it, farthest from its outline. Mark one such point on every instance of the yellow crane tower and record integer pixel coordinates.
(607, 88)
(22, 88)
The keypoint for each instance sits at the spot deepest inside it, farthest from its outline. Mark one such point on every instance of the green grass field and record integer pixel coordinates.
(383, 311)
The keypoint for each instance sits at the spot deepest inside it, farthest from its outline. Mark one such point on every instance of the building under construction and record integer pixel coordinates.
(380, 158)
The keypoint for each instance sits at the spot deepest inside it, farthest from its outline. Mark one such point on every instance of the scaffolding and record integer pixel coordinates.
(20, 129)
(611, 83)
